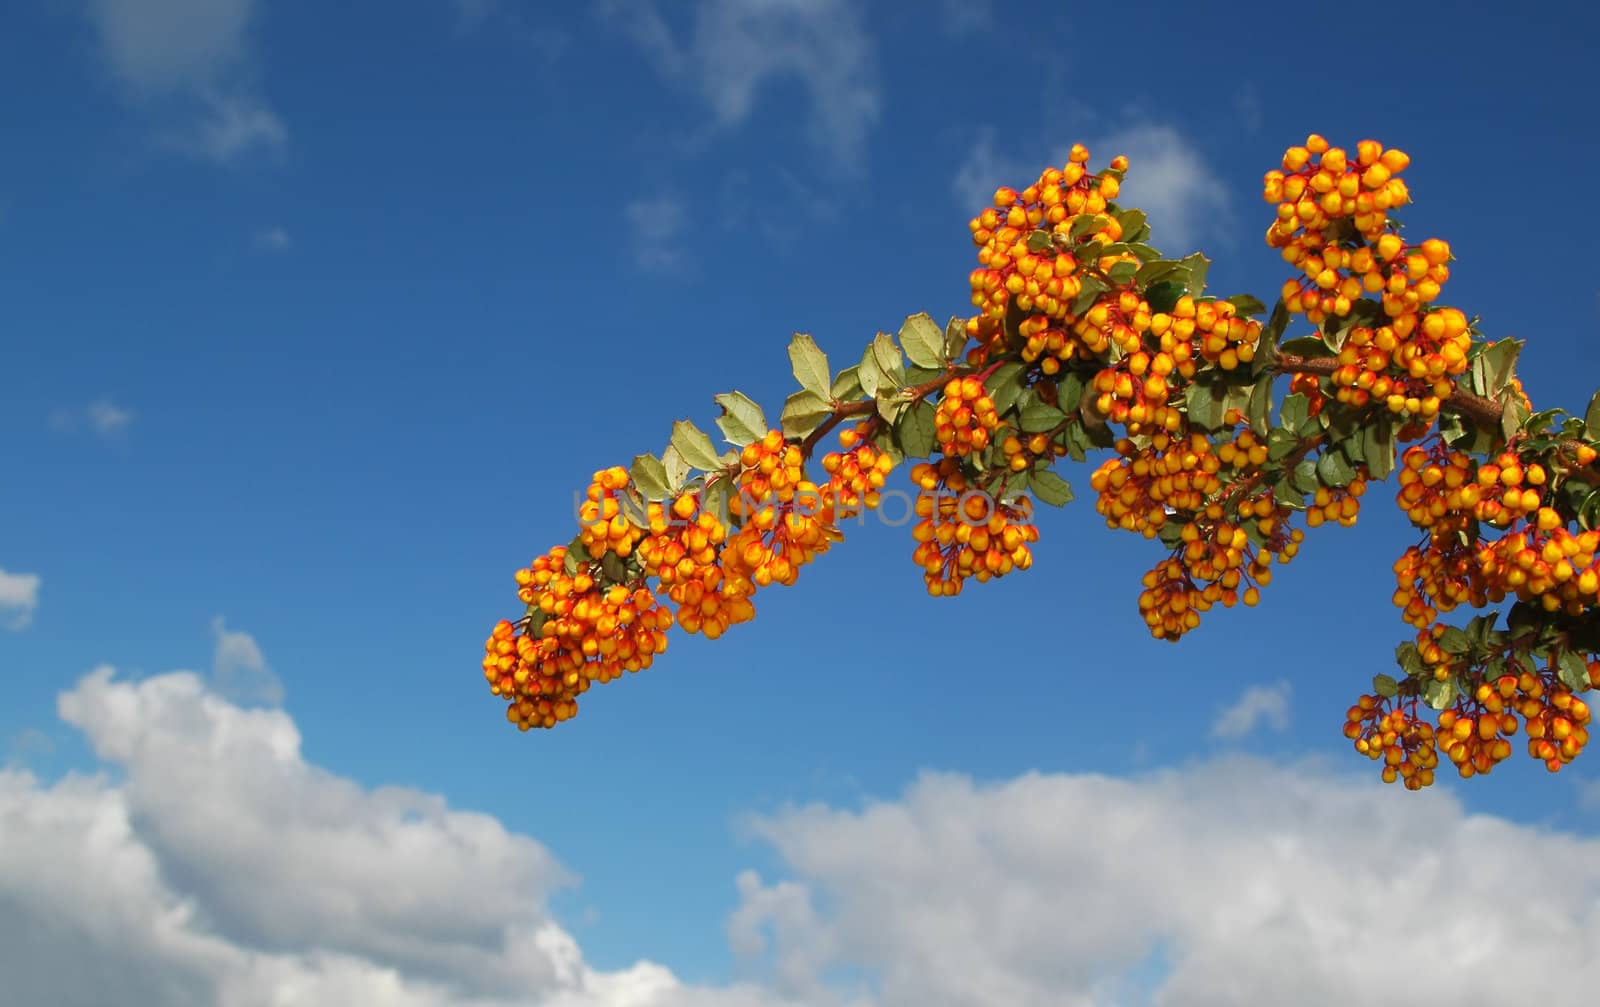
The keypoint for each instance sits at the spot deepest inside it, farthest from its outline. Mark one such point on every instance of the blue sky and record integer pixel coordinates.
(313, 320)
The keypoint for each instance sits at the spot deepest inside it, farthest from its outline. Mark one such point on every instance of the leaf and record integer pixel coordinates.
(714, 500)
(695, 446)
(1304, 477)
(1143, 252)
(1498, 361)
(1070, 391)
(923, 341)
(1078, 442)
(677, 469)
(1305, 346)
(1205, 404)
(1246, 306)
(955, 337)
(1004, 385)
(1133, 224)
(1123, 271)
(1259, 410)
(650, 475)
(1164, 296)
(1267, 350)
(846, 385)
(1454, 641)
(1591, 419)
(1040, 241)
(1280, 443)
(1039, 417)
(742, 420)
(1294, 413)
(890, 364)
(802, 412)
(1513, 412)
(1198, 265)
(1410, 661)
(891, 405)
(868, 375)
(1050, 488)
(611, 565)
(1385, 686)
(917, 430)
(810, 364)
(1378, 449)
(1085, 224)
(1574, 671)
(1089, 291)
(1154, 272)
(1437, 694)
(1334, 470)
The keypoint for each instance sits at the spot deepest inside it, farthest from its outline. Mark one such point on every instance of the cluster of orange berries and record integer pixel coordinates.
(964, 532)
(1341, 505)
(1404, 742)
(1140, 487)
(585, 634)
(856, 474)
(683, 553)
(1208, 567)
(605, 520)
(1408, 365)
(1022, 451)
(966, 420)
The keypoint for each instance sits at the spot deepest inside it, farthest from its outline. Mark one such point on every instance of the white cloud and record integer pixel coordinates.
(737, 47)
(194, 54)
(240, 670)
(1258, 704)
(654, 226)
(1167, 177)
(102, 416)
(273, 239)
(19, 597)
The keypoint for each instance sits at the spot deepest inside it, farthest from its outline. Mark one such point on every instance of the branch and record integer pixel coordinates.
(1484, 412)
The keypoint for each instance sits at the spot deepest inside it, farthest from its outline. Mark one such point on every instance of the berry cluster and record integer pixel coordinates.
(964, 532)
(856, 474)
(966, 420)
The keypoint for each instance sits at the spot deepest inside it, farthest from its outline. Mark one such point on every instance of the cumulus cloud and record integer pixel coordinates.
(738, 47)
(1167, 177)
(239, 669)
(1259, 704)
(19, 598)
(191, 58)
(655, 225)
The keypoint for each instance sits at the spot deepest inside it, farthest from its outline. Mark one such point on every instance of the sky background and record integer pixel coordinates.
(313, 319)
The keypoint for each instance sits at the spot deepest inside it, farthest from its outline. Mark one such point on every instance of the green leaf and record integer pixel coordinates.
(1454, 641)
(1123, 271)
(868, 375)
(890, 364)
(1259, 411)
(1513, 412)
(1589, 511)
(677, 469)
(1070, 391)
(955, 338)
(1437, 694)
(1085, 224)
(802, 412)
(1574, 671)
(1039, 417)
(1198, 265)
(1497, 362)
(923, 341)
(916, 430)
(612, 567)
(1089, 291)
(1295, 412)
(650, 475)
(1164, 296)
(891, 405)
(1206, 404)
(695, 446)
(1280, 443)
(1078, 442)
(1161, 269)
(1385, 686)
(1267, 350)
(742, 420)
(714, 498)
(1305, 346)
(810, 364)
(1410, 661)
(1591, 419)
(846, 385)
(1133, 224)
(1050, 488)
(1143, 252)
(1246, 306)
(1004, 385)
(1334, 470)
(1378, 450)
(1304, 477)
(1040, 241)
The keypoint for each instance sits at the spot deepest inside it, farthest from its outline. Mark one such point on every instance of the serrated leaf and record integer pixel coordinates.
(695, 446)
(1573, 670)
(891, 364)
(1591, 419)
(1143, 252)
(677, 469)
(1040, 241)
(1385, 686)
(1039, 417)
(1157, 271)
(1437, 694)
(1198, 266)
(1133, 224)
(650, 475)
(1259, 411)
(1304, 477)
(1296, 409)
(923, 341)
(1123, 272)
(809, 363)
(1246, 306)
(1205, 404)
(714, 499)
(1378, 450)
(1335, 470)
(868, 374)
(1499, 361)
(1513, 412)
(1280, 443)
(1069, 392)
(612, 567)
(1050, 488)
(955, 338)
(802, 412)
(1005, 385)
(1164, 296)
(891, 405)
(742, 420)
(1453, 640)
(916, 430)
(846, 385)
(1089, 290)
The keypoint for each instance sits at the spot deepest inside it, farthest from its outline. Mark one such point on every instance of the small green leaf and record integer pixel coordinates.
(1286, 496)
(677, 469)
(1259, 411)
(1304, 477)
(917, 430)
(1154, 272)
(890, 364)
(802, 412)
(923, 341)
(847, 385)
(742, 420)
(1198, 265)
(1246, 306)
(695, 446)
(809, 363)
(1070, 391)
(1143, 252)
(1304, 346)
(1085, 224)
(1133, 224)
(1410, 661)
(1078, 442)
(1513, 412)
(1498, 362)
(1039, 417)
(891, 405)
(1378, 449)
(1294, 413)
(1573, 670)
(1089, 291)
(868, 375)
(714, 498)
(1454, 641)
(650, 475)
(1122, 272)
(955, 338)
(1050, 488)
(1004, 385)
(1334, 470)
(1206, 404)
(1280, 444)
(1040, 241)
(1437, 694)
(1591, 419)
(1385, 686)
(1164, 296)
(612, 567)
